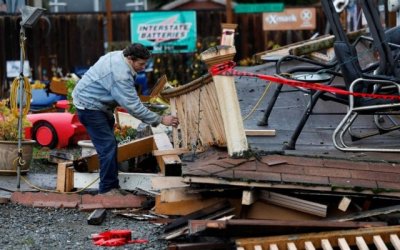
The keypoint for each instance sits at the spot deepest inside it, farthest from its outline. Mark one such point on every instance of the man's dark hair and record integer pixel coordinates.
(137, 50)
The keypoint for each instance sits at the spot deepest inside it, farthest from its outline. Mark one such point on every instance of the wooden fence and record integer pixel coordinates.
(71, 41)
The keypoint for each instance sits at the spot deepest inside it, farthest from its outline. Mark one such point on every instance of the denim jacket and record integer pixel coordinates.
(108, 83)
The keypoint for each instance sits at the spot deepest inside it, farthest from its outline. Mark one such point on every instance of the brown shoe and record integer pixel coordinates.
(115, 191)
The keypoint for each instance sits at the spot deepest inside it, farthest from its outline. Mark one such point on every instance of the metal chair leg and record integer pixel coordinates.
(291, 145)
(268, 111)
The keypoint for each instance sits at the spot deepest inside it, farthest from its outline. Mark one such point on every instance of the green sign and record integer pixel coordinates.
(258, 7)
(165, 31)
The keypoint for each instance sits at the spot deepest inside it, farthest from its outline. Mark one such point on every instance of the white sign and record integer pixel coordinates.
(13, 69)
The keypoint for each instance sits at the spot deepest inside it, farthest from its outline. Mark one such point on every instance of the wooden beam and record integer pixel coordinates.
(260, 132)
(109, 22)
(162, 142)
(159, 86)
(315, 238)
(294, 203)
(125, 152)
(248, 197)
(344, 204)
(394, 239)
(227, 100)
(65, 177)
(175, 151)
(163, 182)
(183, 207)
(127, 181)
(177, 194)
(249, 227)
(326, 245)
(360, 242)
(367, 214)
(61, 177)
(58, 86)
(248, 183)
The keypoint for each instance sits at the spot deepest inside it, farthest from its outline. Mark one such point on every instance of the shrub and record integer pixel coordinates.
(9, 123)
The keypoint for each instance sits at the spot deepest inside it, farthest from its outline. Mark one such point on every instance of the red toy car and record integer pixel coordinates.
(55, 130)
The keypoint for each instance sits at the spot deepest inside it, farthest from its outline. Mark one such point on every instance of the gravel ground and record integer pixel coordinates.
(24, 227)
(37, 228)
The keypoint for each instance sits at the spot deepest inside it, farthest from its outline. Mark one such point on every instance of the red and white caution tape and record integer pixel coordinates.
(227, 70)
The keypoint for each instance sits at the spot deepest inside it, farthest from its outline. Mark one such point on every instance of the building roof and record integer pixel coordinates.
(194, 4)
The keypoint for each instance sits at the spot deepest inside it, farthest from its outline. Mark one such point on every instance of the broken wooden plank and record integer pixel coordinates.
(367, 214)
(315, 238)
(177, 194)
(294, 203)
(64, 177)
(343, 245)
(394, 239)
(379, 243)
(248, 197)
(252, 227)
(201, 213)
(97, 216)
(360, 242)
(163, 182)
(291, 246)
(344, 204)
(175, 151)
(308, 245)
(125, 152)
(170, 165)
(183, 207)
(69, 179)
(227, 100)
(58, 86)
(326, 245)
(127, 181)
(260, 132)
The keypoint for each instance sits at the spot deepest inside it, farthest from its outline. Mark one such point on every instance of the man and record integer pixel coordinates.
(108, 83)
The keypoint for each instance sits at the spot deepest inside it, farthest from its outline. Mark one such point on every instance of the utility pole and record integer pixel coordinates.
(229, 18)
(109, 22)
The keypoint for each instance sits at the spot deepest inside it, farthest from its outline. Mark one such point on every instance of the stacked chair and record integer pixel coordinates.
(383, 80)
(380, 78)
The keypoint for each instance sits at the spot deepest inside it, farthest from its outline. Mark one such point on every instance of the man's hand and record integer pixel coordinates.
(170, 120)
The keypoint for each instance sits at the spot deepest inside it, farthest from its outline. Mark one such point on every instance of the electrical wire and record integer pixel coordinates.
(56, 191)
(16, 85)
(258, 102)
(14, 96)
(53, 191)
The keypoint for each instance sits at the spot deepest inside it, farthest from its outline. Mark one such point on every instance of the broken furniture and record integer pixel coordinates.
(69, 173)
(196, 105)
(227, 99)
(381, 237)
(313, 72)
(362, 83)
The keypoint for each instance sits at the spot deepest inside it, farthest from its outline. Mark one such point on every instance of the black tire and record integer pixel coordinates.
(38, 127)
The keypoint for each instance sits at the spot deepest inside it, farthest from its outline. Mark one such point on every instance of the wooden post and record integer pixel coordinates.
(228, 34)
(109, 22)
(227, 100)
(228, 7)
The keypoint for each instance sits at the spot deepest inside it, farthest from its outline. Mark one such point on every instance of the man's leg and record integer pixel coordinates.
(100, 128)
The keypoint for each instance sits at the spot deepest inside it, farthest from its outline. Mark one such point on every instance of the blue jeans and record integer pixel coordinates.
(100, 128)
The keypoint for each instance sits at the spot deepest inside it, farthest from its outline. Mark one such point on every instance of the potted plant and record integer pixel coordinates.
(9, 142)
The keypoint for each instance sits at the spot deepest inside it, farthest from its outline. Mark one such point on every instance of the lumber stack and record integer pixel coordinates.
(196, 106)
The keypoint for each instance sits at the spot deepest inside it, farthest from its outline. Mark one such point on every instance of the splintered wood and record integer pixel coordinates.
(378, 238)
(196, 106)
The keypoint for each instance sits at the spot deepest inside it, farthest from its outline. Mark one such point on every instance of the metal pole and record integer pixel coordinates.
(21, 103)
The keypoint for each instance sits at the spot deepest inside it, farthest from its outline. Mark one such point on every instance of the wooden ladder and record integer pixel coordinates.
(383, 238)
